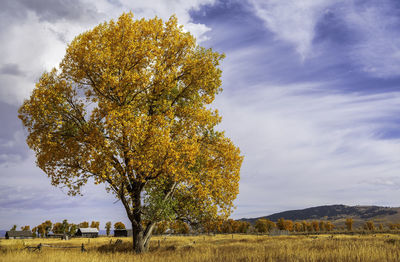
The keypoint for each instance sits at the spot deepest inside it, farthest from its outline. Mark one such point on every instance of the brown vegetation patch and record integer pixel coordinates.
(393, 241)
(171, 248)
(124, 247)
(187, 247)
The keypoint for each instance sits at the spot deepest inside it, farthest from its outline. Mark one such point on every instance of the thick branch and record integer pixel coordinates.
(127, 207)
(170, 192)
(148, 232)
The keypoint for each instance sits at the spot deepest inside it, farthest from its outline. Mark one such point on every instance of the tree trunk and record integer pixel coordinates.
(138, 239)
(141, 237)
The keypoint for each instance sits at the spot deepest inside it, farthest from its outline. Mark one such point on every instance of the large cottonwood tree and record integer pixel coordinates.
(129, 107)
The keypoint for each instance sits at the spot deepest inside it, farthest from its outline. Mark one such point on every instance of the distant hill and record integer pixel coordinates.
(337, 213)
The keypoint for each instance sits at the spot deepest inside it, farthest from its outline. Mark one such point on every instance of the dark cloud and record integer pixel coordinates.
(12, 139)
(53, 10)
(60, 36)
(11, 69)
(115, 2)
(50, 10)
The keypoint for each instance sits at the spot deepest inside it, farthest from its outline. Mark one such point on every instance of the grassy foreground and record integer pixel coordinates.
(380, 247)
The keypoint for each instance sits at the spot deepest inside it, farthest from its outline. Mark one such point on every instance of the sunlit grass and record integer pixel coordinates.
(380, 247)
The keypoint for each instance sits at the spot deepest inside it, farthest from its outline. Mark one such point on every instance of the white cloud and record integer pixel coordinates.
(377, 49)
(199, 31)
(34, 46)
(164, 9)
(34, 43)
(306, 146)
(293, 21)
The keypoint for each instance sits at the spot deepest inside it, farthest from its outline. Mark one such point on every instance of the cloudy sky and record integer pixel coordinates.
(311, 96)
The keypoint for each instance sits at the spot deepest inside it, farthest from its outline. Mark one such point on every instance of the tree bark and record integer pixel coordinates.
(140, 234)
(138, 239)
(141, 237)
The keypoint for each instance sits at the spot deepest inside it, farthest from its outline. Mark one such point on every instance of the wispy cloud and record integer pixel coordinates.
(305, 145)
(377, 50)
(375, 47)
(313, 131)
(292, 21)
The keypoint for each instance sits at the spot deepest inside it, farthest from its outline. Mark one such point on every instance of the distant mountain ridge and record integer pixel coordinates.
(335, 212)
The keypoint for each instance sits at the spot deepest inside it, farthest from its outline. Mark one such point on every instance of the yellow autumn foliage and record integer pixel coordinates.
(129, 107)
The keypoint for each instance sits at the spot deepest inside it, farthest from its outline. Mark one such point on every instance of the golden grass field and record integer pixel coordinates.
(379, 247)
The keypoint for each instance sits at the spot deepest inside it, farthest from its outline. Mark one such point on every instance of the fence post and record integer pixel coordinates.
(83, 248)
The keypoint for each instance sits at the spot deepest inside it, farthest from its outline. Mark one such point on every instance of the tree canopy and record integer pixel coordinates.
(129, 107)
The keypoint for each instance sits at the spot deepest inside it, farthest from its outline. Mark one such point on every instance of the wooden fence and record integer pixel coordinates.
(40, 246)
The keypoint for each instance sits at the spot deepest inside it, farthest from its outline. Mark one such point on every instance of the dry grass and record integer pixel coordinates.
(214, 248)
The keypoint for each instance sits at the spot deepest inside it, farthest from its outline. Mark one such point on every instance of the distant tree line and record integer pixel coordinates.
(265, 225)
(218, 225)
(48, 227)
